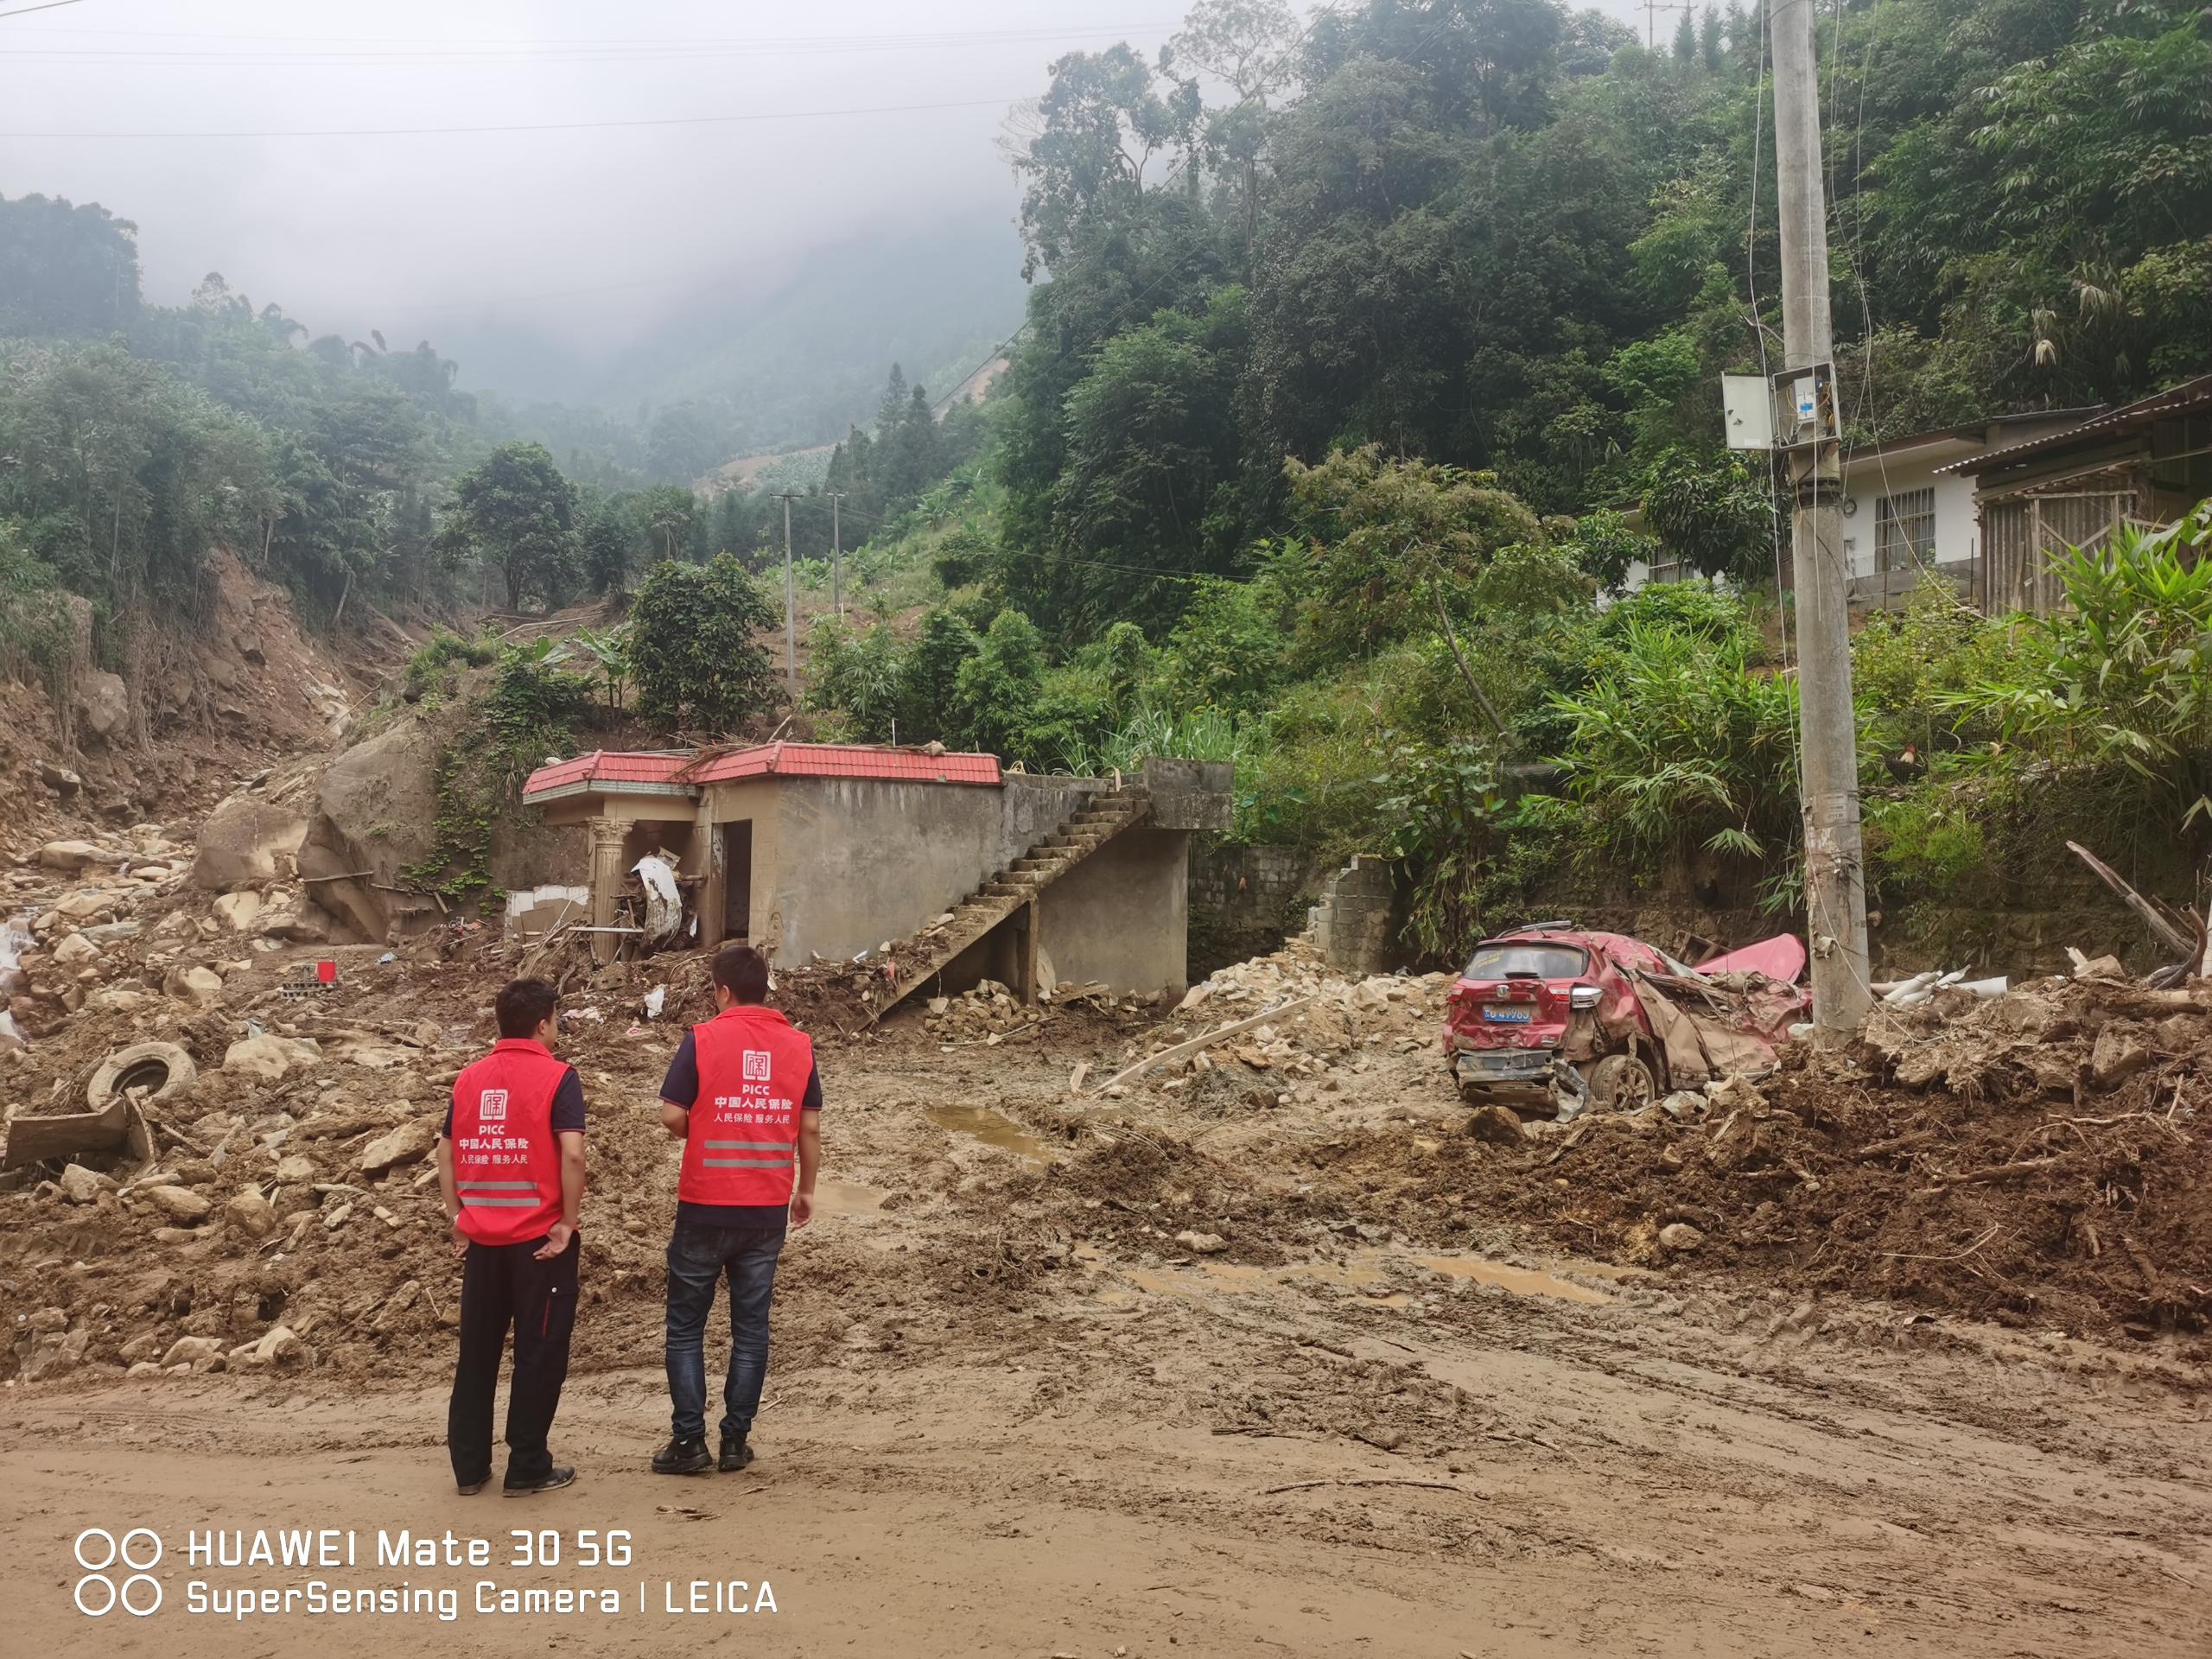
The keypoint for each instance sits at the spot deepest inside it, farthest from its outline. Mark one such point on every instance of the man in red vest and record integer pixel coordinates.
(510, 1164)
(743, 1095)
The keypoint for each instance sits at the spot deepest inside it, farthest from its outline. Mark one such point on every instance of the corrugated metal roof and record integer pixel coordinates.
(845, 760)
(603, 766)
(2189, 394)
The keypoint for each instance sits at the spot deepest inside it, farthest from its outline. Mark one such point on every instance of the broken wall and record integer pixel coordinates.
(1121, 917)
(1246, 901)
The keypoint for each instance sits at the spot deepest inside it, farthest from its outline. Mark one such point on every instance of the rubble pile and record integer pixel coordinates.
(991, 1014)
(2040, 1157)
(1326, 1023)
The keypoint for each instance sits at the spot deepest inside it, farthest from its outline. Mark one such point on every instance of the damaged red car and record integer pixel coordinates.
(1555, 1016)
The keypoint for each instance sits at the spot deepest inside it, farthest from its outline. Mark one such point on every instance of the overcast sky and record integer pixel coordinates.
(588, 232)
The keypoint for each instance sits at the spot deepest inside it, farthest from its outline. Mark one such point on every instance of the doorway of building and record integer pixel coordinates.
(737, 879)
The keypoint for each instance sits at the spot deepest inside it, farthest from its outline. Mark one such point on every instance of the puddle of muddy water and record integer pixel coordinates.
(993, 1128)
(847, 1199)
(1367, 1273)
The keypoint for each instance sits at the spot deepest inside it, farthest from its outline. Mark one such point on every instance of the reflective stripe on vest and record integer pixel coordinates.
(742, 1148)
(506, 1157)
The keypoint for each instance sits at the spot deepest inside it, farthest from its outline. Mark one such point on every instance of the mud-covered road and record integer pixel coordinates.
(1011, 1412)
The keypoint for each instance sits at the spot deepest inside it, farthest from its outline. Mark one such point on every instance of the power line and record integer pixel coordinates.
(538, 126)
(50, 5)
(629, 51)
(491, 42)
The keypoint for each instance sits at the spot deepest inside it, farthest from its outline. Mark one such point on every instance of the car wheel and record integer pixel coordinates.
(1622, 1083)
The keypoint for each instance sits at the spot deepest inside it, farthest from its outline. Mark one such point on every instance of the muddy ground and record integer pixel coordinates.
(1270, 1356)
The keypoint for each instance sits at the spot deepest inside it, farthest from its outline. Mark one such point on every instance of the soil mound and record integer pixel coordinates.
(2038, 1158)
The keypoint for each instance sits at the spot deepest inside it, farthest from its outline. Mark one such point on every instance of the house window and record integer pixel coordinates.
(1904, 530)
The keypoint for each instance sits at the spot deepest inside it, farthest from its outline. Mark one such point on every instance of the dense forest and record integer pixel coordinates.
(1346, 347)
(1347, 343)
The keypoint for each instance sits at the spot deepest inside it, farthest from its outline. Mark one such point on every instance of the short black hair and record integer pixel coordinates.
(743, 972)
(522, 1005)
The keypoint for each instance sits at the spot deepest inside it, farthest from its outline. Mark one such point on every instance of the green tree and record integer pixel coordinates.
(1101, 123)
(929, 677)
(1392, 543)
(612, 545)
(65, 269)
(515, 511)
(694, 647)
(995, 692)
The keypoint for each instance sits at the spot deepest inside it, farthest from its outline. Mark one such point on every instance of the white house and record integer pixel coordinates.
(1902, 517)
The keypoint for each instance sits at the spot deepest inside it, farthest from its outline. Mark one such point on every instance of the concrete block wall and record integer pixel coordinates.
(1356, 920)
(1245, 901)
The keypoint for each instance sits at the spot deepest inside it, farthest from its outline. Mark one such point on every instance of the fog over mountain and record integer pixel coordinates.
(574, 203)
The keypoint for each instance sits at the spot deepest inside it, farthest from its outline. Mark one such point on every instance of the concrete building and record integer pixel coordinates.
(819, 850)
(1908, 511)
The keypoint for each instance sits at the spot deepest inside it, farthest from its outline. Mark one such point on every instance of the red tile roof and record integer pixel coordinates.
(603, 767)
(603, 770)
(844, 760)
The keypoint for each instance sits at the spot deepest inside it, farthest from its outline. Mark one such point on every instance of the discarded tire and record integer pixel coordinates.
(162, 1068)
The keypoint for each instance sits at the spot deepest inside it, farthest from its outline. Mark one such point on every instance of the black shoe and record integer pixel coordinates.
(552, 1480)
(683, 1458)
(736, 1453)
(470, 1488)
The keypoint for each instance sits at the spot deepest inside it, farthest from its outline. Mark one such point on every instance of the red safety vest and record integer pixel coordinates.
(506, 1158)
(742, 1147)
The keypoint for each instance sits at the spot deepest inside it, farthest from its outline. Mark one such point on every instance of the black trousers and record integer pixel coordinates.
(502, 1285)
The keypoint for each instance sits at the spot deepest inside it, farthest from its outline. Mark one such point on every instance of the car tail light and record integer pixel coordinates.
(1585, 996)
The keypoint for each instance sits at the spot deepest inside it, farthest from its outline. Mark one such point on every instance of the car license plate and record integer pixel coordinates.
(1509, 1016)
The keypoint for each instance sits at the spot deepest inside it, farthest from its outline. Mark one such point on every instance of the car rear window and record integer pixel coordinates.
(1541, 961)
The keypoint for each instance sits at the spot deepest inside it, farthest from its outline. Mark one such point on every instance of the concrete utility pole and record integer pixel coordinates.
(836, 554)
(1836, 891)
(790, 605)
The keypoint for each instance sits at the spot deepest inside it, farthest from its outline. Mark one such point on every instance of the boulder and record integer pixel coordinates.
(238, 911)
(1679, 1238)
(75, 856)
(303, 922)
(179, 1203)
(251, 1214)
(84, 904)
(117, 999)
(271, 1058)
(404, 1145)
(198, 985)
(60, 779)
(75, 951)
(103, 703)
(245, 841)
(192, 1351)
(2118, 1055)
(376, 815)
(295, 1170)
(278, 1346)
(82, 1185)
(1498, 1124)
(1202, 1243)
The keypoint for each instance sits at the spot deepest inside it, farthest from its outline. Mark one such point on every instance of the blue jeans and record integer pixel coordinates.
(698, 1257)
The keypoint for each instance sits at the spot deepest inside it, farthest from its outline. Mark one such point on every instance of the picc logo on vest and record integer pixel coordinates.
(492, 1106)
(756, 1065)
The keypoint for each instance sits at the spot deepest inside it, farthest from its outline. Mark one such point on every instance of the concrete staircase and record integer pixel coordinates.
(1106, 817)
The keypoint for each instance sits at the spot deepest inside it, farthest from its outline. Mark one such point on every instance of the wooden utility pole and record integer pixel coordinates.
(1835, 891)
(836, 554)
(790, 605)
